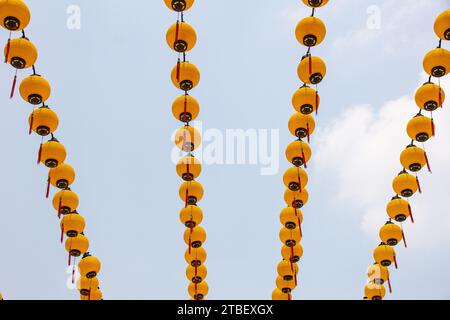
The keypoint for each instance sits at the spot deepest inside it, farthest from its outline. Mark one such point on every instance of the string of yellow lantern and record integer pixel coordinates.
(181, 37)
(310, 32)
(429, 98)
(22, 54)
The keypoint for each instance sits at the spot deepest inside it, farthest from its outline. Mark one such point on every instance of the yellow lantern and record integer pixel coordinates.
(285, 286)
(437, 62)
(442, 25)
(375, 291)
(195, 256)
(405, 184)
(181, 37)
(189, 168)
(89, 266)
(94, 295)
(198, 291)
(311, 70)
(287, 270)
(295, 178)
(35, 89)
(398, 209)
(391, 234)
(384, 255)
(43, 121)
(315, 3)
(72, 224)
(21, 53)
(14, 15)
(191, 216)
(77, 246)
(378, 274)
(293, 254)
(62, 176)
(310, 31)
(278, 295)
(298, 153)
(290, 237)
(301, 126)
(185, 76)
(291, 217)
(188, 139)
(196, 274)
(191, 192)
(52, 153)
(296, 199)
(413, 158)
(195, 237)
(306, 100)
(421, 128)
(430, 96)
(185, 108)
(87, 285)
(65, 201)
(179, 5)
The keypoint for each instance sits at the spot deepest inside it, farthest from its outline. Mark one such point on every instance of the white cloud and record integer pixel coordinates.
(367, 142)
(397, 18)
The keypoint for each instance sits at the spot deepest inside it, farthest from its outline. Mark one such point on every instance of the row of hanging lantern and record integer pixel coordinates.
(310, 32)
(181, 37)
(429, 98)
(22, 54)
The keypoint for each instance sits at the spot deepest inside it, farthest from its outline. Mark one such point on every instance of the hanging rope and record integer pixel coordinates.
(421, 128)
(21, 53)
(310, 32)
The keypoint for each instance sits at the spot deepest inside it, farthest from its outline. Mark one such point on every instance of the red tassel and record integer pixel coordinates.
(31, 123)
(190, 241)
(73, 275)
(177, 31)
(70, 258)
(62, 234)
(295, 279)
(440, 97)
(185, 108)
(300, 227)
(317, 103)
(59, 207)
(310, 65)
(13, 86)
(178, 70)
(8, 48)
(428, 163)
(308, 131)
(48, 188)
(390, 286)
(187, 195)
(395, 262)
(304, 159)
(410, 213)
(404, 239)
(289, 297)
(39, 154)
(292, 255)
(418, 184)
(299, 182)
(433, 128)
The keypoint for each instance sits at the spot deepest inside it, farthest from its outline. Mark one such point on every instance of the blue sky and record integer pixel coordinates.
(112, 91)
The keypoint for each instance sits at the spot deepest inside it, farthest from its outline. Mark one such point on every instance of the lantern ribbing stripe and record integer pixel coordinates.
(181, 37)
(310, 32)
(21, 53)
(429, 98)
